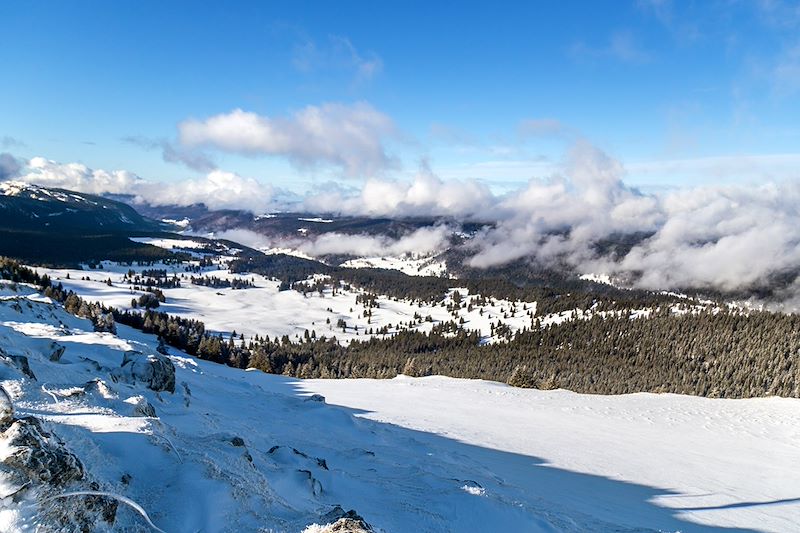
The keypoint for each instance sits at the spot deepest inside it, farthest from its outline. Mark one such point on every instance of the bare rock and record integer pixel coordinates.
(141, 407)
(6, 409)
(56, 351)
(41, 465)
(155, 370)
(316, 398)
(340, 521)
(350, 525)
(39, 456)
(21, 362)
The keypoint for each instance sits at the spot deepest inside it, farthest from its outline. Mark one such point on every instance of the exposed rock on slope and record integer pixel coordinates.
(154, 370)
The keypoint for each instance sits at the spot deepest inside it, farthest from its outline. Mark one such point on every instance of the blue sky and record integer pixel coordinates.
(679, 92)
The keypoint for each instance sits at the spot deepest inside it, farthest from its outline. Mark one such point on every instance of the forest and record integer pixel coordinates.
(718, 352)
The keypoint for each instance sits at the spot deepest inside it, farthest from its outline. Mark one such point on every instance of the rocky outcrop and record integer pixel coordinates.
(340, 521)
(56, 351)
(20, 362)
(38, 457)
(39, 463)
(6, 409)
(154, 370)
(141, 407)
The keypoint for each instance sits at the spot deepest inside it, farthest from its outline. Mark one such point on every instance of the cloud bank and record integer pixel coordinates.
(728, 237)
(217, 190)
(419, 243)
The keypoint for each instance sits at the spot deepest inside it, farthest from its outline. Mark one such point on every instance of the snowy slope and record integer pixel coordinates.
(264, 310)
(667, 462)
(243, 451)
(411, 266)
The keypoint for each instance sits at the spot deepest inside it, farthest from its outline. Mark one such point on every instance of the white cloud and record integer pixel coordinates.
(725, 236)
(218, 189)
(622, 46)
(194, 159)
(338, 53)
(78, 177)
(786, 73)
(426, 195)
(543, 127)
(9, 166)
(421, 242)
(350, 137)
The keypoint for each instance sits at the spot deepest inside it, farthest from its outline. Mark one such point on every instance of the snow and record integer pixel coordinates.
(408, 454)
(264, 310)
(286, 251)
(424, 266)
(666, 462)
(597, 278)
(170, 244)
(316, 219)
(183, 223)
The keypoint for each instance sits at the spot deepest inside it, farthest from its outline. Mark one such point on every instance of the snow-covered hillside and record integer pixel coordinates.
(231, 450)
(426, 266)
(265, 310)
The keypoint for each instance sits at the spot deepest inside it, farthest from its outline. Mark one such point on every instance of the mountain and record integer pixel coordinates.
(31, 207)
(60, 227)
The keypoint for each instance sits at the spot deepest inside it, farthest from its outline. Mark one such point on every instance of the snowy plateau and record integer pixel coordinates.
(229, 450)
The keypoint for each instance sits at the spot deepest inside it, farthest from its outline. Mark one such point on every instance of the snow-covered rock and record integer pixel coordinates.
(154, 370)
(38, 456)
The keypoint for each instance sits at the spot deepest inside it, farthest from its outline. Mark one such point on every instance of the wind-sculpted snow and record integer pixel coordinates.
(234, 450)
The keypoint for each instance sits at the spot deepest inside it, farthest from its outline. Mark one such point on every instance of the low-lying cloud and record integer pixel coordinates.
(727, 237)
(217, 190)
(426, 195)
(421, 242)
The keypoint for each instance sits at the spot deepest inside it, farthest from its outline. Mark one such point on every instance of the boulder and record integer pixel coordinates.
(349, 525)
(20, 362)
(6, 409)
(141, 407)
(340, 521)
(56, 351)
(39, 464)
(155, 370)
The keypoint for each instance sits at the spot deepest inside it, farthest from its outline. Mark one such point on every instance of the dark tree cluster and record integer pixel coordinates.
(431, 289)
(220, 283)
(714, 352)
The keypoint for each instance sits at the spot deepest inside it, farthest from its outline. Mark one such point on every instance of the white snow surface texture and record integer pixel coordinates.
(428, 454)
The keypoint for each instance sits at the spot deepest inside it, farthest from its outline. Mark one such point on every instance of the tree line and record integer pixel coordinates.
(717, 352)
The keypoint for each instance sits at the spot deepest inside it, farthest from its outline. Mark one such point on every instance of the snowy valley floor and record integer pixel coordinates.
(244, 451)
(664, 462)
